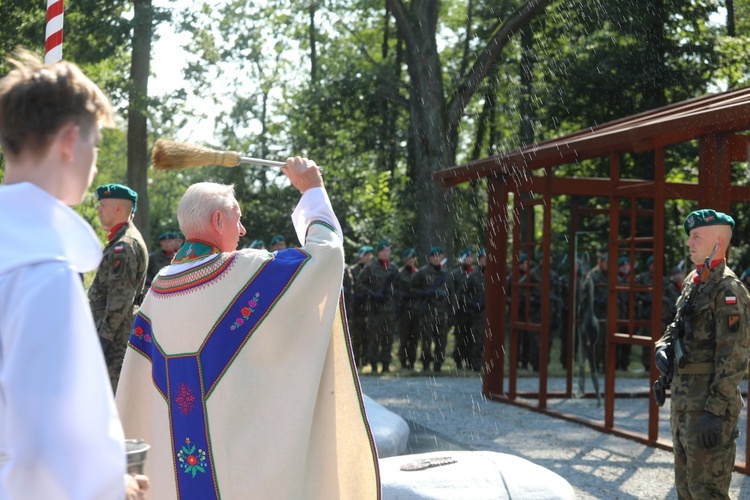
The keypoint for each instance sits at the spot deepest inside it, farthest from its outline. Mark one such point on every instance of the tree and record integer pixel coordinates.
(436, 114)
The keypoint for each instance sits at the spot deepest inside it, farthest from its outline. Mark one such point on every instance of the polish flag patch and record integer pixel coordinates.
(119, 248)
(731, 299)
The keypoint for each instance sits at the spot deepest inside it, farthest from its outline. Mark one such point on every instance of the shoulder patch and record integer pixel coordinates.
(730, 299)
(119, 248)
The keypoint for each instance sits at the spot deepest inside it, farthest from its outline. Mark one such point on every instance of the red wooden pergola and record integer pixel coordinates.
(716, 122)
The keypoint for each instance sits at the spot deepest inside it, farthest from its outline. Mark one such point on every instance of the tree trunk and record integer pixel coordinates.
(138, 158)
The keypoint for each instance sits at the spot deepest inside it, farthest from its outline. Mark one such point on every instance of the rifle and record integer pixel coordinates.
(675, 349)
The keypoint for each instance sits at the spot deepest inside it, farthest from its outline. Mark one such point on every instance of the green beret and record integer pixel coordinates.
(435, 251)
(257, 244)
(408, 253)
(706, 217)
(277, 239)
(165, 236)
(363, 250)
(482, 252)
(119, 192)
(383, 244)
(466, 251)
(178, 235)
(522, 258)
(650, 260)
(622, 261)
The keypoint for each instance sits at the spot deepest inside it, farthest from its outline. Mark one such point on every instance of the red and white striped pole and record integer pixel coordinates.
(54, 32)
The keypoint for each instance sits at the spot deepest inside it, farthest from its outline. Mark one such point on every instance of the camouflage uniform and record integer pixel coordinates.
(156, 261)
(375, 286)
(475, 304)
(116, 292)
(434, 288)
(530, 311)
(599, 280)
(462, 317)
(717, 357)
(406, 316)
(357, 328)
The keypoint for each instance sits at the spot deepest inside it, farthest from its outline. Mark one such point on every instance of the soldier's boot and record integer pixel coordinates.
(374, 367)
(437, 367)
(386, 368)
(426, 366)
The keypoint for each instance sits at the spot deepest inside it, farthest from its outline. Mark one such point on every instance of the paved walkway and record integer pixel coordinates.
(450, 413)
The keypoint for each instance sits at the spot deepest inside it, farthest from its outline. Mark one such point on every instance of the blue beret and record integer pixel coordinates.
(383, 244)
(409, 252)
(119, 192)
(706, 217)
(436, 251)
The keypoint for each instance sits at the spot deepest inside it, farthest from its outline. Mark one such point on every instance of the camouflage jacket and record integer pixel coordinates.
(434, 288)
(156, 261)
(402, 292)
(375, 285)
(119, 282)
(474, 296)
(719, 339)
(460, 278)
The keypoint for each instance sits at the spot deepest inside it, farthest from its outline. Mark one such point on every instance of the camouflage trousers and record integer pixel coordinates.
(357, 332)
(701, 473)
(433, 328)
(408, 336)
(464, 340)
(115, 354)
(380, 330)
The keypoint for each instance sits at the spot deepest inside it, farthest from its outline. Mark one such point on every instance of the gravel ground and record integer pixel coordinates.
(596, 464)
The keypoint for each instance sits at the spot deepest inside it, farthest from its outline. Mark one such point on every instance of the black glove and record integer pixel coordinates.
(709, 430)
(663, 363)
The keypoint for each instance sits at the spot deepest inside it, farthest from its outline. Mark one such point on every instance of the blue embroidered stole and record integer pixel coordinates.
(186, 381)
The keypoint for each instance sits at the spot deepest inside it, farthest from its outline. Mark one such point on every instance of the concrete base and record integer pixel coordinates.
(390, 431)
(475, 475)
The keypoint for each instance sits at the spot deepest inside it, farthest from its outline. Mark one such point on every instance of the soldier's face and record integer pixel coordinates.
(108, 213)
(701, 243)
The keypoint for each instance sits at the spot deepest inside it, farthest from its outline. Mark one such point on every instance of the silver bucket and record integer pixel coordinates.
(135, 450)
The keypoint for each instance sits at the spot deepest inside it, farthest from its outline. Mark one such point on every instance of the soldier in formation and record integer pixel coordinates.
(434, 288)
(356, 311)
(374, 285)
(462, 315)
(406, 310)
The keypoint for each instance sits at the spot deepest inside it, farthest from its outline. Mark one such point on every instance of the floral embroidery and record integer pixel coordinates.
(191, 461)
(185, 400)
(246, 311)
(138, 332)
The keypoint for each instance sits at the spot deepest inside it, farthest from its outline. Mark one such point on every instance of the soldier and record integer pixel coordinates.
(745, 278)
(462, 316)
(357, 327)
(599, 279)
(257, 245)
(118, 287)
(406, 310)
(277, 243)
(530, 310)
(475, 304)
(622, 359)
(375, 285)
(161, 257)
(433, 286)
(709, 338)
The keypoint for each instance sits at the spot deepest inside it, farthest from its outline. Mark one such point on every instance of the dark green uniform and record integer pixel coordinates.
(156, 260)
(357, 328)
(717, 359)
(406, 316)
(462, 317)
(116, 293)
(474, 297)
(434, 287)
(375, 286)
